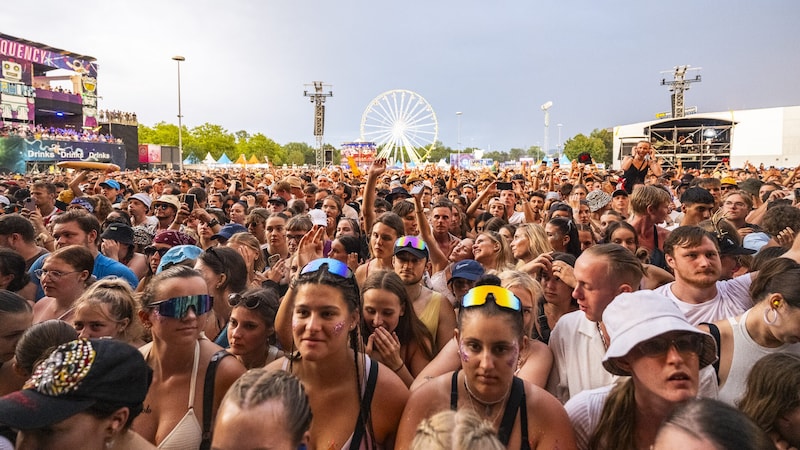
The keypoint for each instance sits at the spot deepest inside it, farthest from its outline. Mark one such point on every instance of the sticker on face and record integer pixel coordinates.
(337, 329)
(463, 352)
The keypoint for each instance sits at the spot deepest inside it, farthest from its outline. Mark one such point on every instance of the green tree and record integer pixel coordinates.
(535, 152)
(295, 148)
(496, 155)
(439, 152)
(581, 143)
(607, 136)
(211, 138)
(515, 154)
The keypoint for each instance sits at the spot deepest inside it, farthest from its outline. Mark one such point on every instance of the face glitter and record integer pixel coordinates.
(337, 329)
(514, 357)
(463, 352)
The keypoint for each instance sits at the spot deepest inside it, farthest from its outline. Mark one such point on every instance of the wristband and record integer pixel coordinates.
(402, 364)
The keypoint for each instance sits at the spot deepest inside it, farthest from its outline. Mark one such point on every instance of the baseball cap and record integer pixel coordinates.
(83, 202)
(729, 181)
(76, 376)
(229, 230)
(411, 244)
(727, 246)
(113, 184)
(169, 200)
(119, 232)
(468, 269)
(277, 199)
(635, 317)
(144, 198)
(177, 255)
(619, 192)
(295, 182)
(4, 200)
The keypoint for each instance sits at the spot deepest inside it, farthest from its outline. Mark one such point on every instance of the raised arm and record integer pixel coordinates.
(473, 208)
(377, 169)
(438, 258)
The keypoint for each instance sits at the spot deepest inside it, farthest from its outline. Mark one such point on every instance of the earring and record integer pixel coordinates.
(776, 303)
(767, 319)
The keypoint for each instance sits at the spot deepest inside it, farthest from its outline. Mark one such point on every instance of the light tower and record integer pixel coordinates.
(179, 59)
(546, 108)
(678, 85)
(318, 99)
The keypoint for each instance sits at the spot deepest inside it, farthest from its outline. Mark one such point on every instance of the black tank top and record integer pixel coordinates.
(633, 176)
(516, 402)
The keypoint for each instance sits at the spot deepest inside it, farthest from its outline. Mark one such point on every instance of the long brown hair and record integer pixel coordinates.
(617, 425)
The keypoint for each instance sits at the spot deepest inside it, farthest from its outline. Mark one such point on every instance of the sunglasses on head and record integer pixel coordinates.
(178, 307)
(502, 297)
(411, 241)
(686, 343)
(236, 299)
(334, 267)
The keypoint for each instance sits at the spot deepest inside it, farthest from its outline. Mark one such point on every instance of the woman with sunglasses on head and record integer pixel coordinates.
(256, 223)
(490, 337)
(65, 274)
(225, 273)
(654, 345)
(251, 328)
(175, 307)
(108, 309)
(345, 386)
(162, 242)
(393, 334)
(535, 359)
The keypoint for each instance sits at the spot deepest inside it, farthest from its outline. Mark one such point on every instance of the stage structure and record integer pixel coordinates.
(318, 98)
(362, 153)
(48, 97)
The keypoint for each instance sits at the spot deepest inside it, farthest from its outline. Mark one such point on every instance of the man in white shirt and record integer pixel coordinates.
(579, 340)
(693, 255)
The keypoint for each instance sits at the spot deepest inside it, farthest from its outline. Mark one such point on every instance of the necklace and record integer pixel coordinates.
(603, 337)
(487, 406)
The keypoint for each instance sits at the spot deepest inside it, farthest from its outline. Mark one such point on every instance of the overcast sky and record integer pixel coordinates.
(599, 62)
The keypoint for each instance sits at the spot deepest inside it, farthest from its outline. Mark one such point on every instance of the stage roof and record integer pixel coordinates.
(47, 47)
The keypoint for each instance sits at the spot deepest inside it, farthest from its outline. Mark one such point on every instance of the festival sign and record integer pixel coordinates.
(46, 57)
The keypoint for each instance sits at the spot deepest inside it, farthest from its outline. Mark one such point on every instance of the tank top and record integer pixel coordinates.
(746, 352)
(634, 176)
(516, 402)
(187, 434)
(430, 315)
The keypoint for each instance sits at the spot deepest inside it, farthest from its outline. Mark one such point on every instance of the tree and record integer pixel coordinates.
(496, 156)
(535, 152)
(262, 146)
(212, 138)
(295, 148)
(608, 141)
(515, 154)
(440, 152)
(581, 143)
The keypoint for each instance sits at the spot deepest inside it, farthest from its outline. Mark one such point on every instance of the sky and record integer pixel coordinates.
(496, 62)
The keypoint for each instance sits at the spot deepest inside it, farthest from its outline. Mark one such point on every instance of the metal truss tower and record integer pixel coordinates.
(678, 85)
(318, 99)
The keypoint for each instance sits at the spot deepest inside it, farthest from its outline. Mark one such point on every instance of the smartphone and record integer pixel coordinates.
(189, 200)
(504, 186)
(416, 189)
(273, 259)
(29, 204)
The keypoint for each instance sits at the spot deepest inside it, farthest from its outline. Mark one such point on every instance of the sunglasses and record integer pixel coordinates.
(178, 307)
(334, 267)
(501, 297)
(236, 299)
(162, 206)
(411, 241)
(687, 343)
(150, 251)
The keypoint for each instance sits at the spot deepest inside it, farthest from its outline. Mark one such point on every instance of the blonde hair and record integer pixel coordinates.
(251, 242)
(644, 196)
(537, 239)
(463, 430)
(118, 296)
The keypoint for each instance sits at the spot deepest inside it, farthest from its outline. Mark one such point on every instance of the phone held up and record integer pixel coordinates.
(504, 186)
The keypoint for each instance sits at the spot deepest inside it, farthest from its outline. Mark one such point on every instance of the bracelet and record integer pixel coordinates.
(402, 364)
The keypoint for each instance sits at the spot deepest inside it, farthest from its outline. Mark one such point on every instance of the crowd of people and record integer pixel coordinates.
(528, 307)
(39, 132)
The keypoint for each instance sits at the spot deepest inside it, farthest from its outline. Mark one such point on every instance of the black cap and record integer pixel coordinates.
(278, 199)
(119, 232)
(76, 376)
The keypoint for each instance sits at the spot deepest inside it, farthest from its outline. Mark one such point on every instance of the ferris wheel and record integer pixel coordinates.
(402, 125)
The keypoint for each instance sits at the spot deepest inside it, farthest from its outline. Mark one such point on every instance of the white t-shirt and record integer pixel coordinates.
(732, 299)
(517, 217)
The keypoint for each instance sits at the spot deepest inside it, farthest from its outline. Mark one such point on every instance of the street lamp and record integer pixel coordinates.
(179, 59)
(458, 142)
(546, 108)
(559, 137)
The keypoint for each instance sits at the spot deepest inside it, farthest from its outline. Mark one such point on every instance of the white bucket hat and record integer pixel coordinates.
(635, 317)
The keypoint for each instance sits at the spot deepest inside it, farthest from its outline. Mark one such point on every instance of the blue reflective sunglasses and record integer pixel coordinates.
(334, 266)
(178, 307)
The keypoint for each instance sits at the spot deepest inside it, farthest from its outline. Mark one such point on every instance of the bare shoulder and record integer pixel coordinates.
(276, 365)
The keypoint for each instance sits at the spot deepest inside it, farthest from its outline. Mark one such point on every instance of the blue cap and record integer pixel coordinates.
(229, 230)
(177, 255)
(113, 184)
(468, 269)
